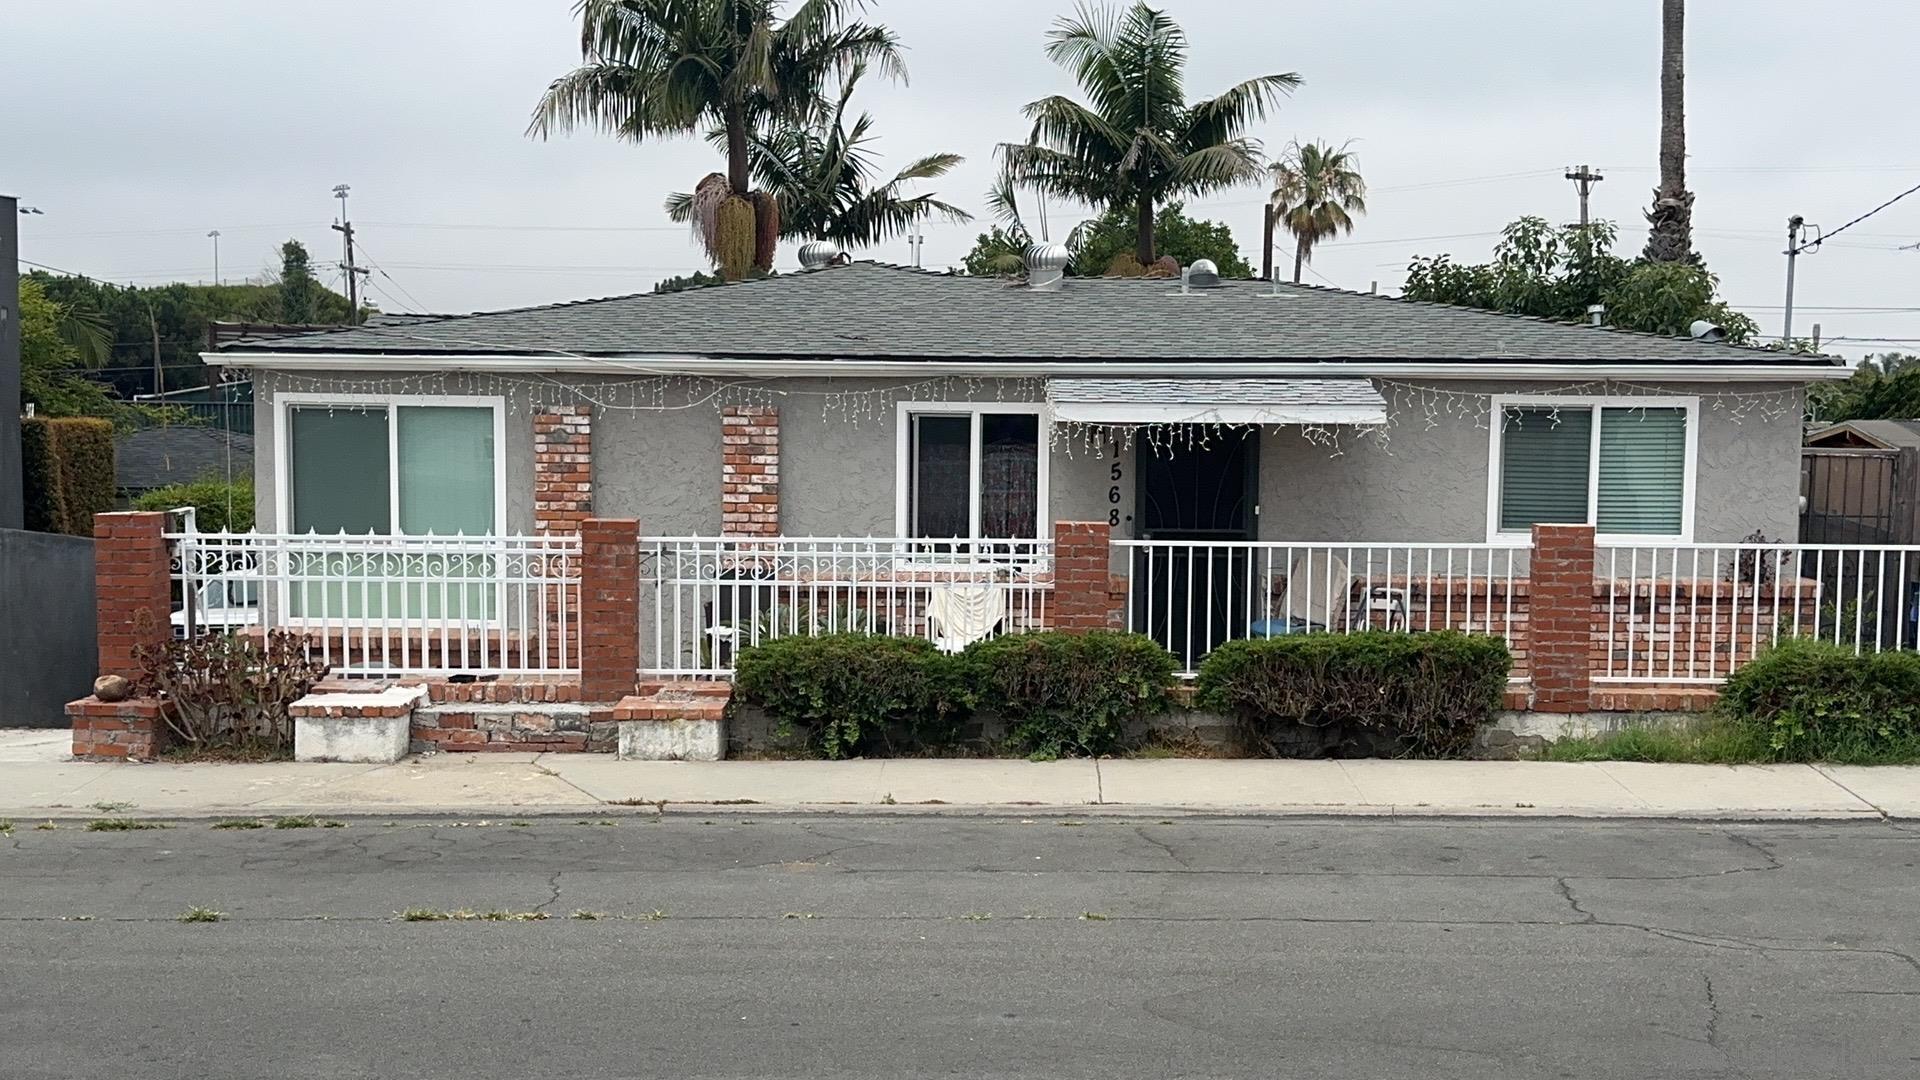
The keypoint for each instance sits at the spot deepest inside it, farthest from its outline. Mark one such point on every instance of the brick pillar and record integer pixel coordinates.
(1083, 597)
(562, 468)
(1560, 617)
(750, 471)
(609, 608)
(130, 580)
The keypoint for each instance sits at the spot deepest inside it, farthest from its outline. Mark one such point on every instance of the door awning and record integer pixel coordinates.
(1216, 401)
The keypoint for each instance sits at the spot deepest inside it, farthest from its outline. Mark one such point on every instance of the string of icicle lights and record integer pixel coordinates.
(1418, 406)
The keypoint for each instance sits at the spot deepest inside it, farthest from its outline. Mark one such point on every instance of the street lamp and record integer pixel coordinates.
(215, 235)
(33, 210)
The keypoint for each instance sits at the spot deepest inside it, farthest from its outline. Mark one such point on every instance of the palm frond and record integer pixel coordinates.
(1230, 113)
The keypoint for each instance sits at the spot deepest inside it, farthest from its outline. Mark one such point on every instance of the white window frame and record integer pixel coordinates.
(1596, 403)
(974, 410)
(393, 403)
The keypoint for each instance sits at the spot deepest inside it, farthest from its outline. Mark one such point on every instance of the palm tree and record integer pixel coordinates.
(821, 175)
(1670, 232)
(673, 67)
(1139, 142)
(1316, 191)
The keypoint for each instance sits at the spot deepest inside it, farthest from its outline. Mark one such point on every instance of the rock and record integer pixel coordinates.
(112, 688)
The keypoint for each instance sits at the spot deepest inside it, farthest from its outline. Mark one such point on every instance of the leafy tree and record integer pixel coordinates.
(1138, 143)
(298, 289)
(49, 375)
(1670, 221)
(1114, 235)
(1316, 191)
(1558, 272)
(674, 67)
(1001, 251)
(687, 281)
(822, 176)
(1884, 387)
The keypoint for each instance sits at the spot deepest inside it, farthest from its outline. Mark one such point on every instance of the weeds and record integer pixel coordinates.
(1093, 916)
(307, 821)
(239, 823)
(122, 824)
(584, 915)
(1716, 743)
(469, 915)
(201, 914)
(6, 826)
(45, 826)
(112, 807)
(420, 914)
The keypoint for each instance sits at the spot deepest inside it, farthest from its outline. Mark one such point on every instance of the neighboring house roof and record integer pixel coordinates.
(867, 310)
(1884, 434)
(155, 457)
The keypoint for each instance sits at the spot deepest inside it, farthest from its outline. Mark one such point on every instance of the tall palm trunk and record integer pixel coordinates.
(1143, 225)
(735, 123)
(1670, 236)
(1299, 258)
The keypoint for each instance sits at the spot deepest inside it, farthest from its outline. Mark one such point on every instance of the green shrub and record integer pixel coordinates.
(67, 467)
(1817, 701)
(219, 506)
(1069, 693)
(1370, 693)
(849, 692)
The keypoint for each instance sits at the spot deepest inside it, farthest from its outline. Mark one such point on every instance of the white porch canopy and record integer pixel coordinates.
(1263, 401)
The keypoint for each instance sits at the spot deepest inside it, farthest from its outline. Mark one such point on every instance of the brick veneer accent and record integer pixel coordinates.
(1560, 617)
(750, 471)
(609, 608)
(1083, 585)
(562, 468)
(130, 580)
(132, 730)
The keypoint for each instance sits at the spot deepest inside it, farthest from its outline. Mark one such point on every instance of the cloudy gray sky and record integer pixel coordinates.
(138, 127)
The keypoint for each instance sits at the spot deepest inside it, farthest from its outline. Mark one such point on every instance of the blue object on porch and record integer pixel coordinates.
(1282, 627)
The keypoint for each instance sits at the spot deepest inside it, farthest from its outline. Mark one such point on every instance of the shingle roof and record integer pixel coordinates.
(155, 457)
(873, 310)
(1893, 433)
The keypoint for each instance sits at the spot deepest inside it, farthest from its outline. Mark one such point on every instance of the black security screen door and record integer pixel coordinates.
(1195, 487)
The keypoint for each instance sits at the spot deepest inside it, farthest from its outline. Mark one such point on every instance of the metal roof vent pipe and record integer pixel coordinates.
(1046, 266)
(815, 254)
(1597, 314)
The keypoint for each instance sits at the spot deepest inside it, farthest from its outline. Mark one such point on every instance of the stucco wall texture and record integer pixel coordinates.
(1421, 484)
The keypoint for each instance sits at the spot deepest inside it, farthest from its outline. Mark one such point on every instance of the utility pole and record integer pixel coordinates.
(215, 235)
(12, 509)
(1583, 180)
(1794, 248)
(345, 229)
(1266, 242)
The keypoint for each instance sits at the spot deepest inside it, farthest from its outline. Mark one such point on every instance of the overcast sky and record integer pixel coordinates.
(136, 127)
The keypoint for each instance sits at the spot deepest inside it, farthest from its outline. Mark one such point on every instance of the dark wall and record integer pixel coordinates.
(47, 649)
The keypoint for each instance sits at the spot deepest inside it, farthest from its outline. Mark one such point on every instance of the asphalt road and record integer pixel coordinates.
(792, 946)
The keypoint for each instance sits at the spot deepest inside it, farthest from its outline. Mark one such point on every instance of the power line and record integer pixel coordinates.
(1824, 237)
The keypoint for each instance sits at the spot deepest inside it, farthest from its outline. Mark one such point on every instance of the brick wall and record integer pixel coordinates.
(562, 468)
(1083, 583)
(131, 582)
(609, 608)
(131, 730)
(750, 471)
(1560, 619)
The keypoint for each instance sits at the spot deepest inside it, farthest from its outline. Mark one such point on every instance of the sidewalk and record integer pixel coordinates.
(38, 781)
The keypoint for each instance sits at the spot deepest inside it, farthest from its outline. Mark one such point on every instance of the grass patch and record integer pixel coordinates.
(1719, 742)
(239, 823)
(45, 826)
(202, 914)
(6, 826)
(307, 821)
(468, 915)
(420, 914)
(123, 824)
(584, 915)
(1093, 916)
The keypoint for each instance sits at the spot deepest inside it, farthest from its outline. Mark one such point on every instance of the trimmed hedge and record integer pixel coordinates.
(67, 467)
(1069, 693)
(849, 692)
(1374, 693)
(1807, 700)
(210, 497)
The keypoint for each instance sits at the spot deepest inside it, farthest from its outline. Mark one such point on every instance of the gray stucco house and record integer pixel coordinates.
(873, 400)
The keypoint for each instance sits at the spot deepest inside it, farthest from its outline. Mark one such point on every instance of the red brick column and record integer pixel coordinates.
(609, 608)
(130, 580)
(134, 730)
(562, 468)
(1560, 617)
(1083, 596)
(750, 471)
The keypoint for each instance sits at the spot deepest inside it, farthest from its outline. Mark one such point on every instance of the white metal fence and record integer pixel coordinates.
(386, 606)
(1190, 596)
(705, 598)
(1693, 613)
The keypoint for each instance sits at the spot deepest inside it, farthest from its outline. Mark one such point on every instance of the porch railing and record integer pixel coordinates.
(1191, 596)
(1694, 613)
(388, 606)
(705, 598)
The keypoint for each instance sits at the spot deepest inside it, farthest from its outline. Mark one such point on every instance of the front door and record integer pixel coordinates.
(1195, 492)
